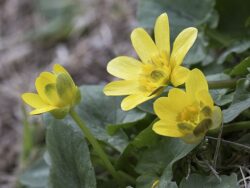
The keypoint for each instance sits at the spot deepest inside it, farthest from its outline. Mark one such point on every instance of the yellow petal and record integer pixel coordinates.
(121, 87)
(205, 97)
(176, 94)
(182, 44)
(42, 110)
(33, 100)
(124, 67)
(44, 79)
(65, 87)
(169, 107)
(179, 75)
(167, 128)
(59, 69)
(50, 91)
(143, 45)
(162, 34)
(48, 77)
(196, 82)
(134, 100)
(216, 118)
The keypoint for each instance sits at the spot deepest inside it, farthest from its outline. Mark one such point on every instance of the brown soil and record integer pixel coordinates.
(100, 32)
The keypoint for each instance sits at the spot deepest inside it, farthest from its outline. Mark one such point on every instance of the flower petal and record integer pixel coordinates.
(167, 108)
(205, 97)
(167, 128)
(42, 110)
(57, 68)
(179, 75)
(66, 88)
(124, 67)
(50, 91)
(162, 34)
(216, 118)
(134, 100)
(143, 45)
(44, 79)
(182, 44)
(33, 100)
(121, 87)
(196, 82)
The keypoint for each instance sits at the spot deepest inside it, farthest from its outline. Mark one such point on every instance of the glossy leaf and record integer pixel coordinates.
(99, 111)
(241, 100)
(36, 176)
(241, 68)
(70, 158)
(159, 159)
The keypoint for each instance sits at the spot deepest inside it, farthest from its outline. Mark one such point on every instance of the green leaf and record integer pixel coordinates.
(220, 96)
(99, 111)
(241, 100)
(36, 176)
(146, 138)
(241, 68)
(182, 14)
(233, 18)
(198, 181)
(132, 118)
(238, 48)
(159, 159)
(69, 153)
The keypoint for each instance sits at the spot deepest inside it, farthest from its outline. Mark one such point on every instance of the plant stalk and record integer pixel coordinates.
(232, 127)
(222, 84)
(95, 145)
(237, 126)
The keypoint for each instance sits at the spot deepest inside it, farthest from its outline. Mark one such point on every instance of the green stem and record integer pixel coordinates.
(222, 84)
(232, 127)
(238, 126)
(95, 145)
(129, 178)
(27, 137)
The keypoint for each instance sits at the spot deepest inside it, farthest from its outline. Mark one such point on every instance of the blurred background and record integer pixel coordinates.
(82, 35)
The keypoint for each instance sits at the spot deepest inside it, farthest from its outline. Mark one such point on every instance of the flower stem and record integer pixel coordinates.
(232, 127)
(237, 126)
(222, 84)
(95, 145)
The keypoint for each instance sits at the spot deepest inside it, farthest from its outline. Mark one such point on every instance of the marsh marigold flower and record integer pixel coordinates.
(145, 79)
(187, 114)
(56, 93)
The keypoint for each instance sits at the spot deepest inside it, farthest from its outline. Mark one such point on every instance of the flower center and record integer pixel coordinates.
(157, 76)
(155, 73)
(195, 119)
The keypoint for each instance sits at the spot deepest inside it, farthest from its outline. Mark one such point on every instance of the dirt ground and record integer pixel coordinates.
(100, 31)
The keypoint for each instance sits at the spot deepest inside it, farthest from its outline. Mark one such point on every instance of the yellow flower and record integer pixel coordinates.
(188, 115)
(57, 93)
(145, 79)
